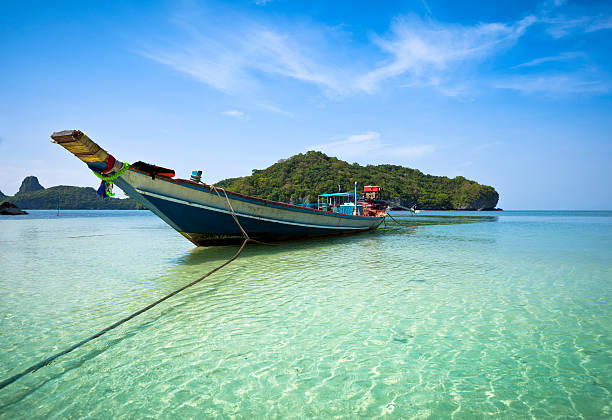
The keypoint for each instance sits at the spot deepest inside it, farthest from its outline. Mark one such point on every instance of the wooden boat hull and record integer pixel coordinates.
(202, 214)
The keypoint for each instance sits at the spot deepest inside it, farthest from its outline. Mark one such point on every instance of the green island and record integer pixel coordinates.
(302, 177)
(298, 179)
(32, 195)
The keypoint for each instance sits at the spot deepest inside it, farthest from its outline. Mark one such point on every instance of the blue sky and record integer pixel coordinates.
(517, 95)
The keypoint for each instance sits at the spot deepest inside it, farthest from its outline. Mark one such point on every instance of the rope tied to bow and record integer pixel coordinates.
(116, 175)
(106, 186)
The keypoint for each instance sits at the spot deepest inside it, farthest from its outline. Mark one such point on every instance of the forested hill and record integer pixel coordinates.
(34, 196)
(302, 177)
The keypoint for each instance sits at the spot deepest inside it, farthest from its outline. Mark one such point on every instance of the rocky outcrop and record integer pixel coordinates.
(486, 200)
(30, 184)
(33, 196)
(10, 209)
(2, 196)
(399, 204)
(66, 198)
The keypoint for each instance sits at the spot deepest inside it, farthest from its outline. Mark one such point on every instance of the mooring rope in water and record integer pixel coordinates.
(100, 333)
(49, 360)
(394, 219)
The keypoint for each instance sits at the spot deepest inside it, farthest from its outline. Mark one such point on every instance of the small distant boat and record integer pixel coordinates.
(414, 210)
(208, 215)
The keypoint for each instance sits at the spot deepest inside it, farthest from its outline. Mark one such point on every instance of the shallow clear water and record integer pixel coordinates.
(454, 314)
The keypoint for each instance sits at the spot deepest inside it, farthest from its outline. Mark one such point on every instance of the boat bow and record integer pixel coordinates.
(199, 212)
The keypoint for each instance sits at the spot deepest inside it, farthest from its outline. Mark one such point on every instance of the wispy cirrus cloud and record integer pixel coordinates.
(559, 26)
(236, 60)
(247, 56)
(369, 144)
(275, 109)
(600, 23)
(555, 84)
(426, 52)
(234, 113)
(418, 53)
(566, 56)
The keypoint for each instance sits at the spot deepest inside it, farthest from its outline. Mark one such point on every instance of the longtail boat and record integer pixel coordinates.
(208, 215)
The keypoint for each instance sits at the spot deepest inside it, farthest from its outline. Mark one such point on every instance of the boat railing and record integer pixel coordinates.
(323, 207)
(337, 203)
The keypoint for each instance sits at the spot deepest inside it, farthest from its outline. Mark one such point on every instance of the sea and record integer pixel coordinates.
(459, 315)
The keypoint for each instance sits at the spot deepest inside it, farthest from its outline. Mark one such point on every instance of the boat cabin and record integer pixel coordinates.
(370, 204)
(342, 202)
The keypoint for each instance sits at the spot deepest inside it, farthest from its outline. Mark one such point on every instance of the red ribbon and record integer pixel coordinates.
(110, 162)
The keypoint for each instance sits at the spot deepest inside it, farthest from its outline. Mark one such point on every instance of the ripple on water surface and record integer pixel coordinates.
(448, 315)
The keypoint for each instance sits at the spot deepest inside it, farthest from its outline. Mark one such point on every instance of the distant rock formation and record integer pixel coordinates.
(10, 209)
(482, 202)
(30, 184)
(2, 196)
(33, 196)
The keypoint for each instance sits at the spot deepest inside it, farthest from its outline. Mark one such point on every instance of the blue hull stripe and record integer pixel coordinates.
(192, 219)
(256, 202)
(242, 215)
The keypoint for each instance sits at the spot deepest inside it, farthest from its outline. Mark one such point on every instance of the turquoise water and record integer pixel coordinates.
(453, 315)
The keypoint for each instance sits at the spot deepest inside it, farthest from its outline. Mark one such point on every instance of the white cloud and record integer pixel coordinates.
(241, 57)
(276, 109)
(424, 53)
(234, 113)
(354, 145)
(278, 54)
(600, 23)
(560, 26)
(234, 60)
(428, 52)
(558, 84)
(561, 57)
(486, 146)
(426, 7)
(369, 144)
